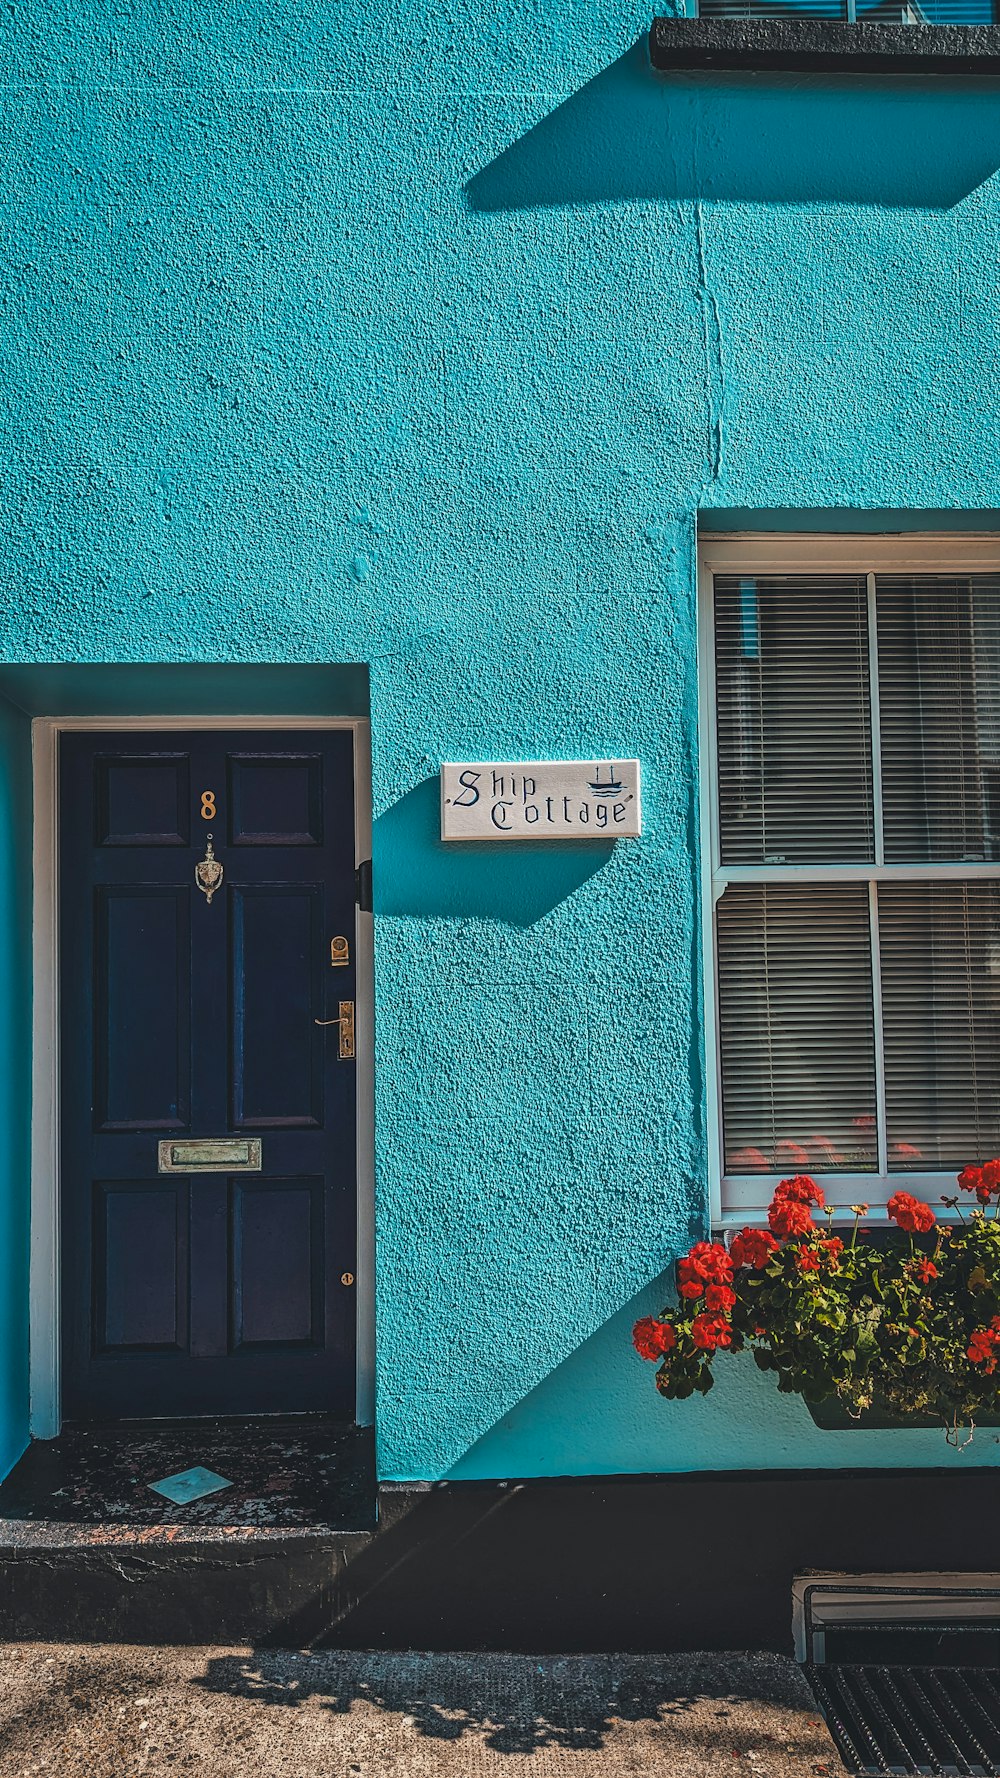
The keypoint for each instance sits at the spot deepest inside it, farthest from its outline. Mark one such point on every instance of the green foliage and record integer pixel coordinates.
(914, 1328)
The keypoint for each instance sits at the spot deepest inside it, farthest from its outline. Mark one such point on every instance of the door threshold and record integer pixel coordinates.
(285, 1475)
(181, 1422)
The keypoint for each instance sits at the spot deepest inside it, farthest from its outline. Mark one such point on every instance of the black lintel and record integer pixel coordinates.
(824, 46)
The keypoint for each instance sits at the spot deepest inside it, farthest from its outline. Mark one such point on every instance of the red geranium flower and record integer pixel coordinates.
(710, 1331)
(652, 1338)
(786, 1217)
(982, 1348)
(789, 1213)
(707, 1263)
(753, 1247)
(719, 1299)
(808, 1259)
(984, 1180)
(923, 1270)
(910, 1213)
(803, 1189)
(691, 1287)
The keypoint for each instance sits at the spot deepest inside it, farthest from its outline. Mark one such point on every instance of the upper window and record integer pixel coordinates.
(881, 12)
(855, 816)
(925, 37)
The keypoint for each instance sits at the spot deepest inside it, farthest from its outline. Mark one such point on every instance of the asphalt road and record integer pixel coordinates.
(122, 1712)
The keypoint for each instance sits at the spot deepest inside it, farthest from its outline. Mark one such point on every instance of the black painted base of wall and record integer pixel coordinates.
(634, 1563)
(579, 1565)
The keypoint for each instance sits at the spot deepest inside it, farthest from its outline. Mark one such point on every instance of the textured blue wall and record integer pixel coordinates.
(328, 343)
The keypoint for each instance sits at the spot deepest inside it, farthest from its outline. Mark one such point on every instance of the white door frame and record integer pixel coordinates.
(45, 1273)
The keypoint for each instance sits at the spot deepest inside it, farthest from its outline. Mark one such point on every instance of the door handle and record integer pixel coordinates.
(346, 1023)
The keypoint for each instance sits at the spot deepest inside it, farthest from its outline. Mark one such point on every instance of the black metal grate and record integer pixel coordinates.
(926, 1720)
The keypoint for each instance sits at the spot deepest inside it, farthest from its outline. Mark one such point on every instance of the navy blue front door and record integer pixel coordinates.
(188, 1016)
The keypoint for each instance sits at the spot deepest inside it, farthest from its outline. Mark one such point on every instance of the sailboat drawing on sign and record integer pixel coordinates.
(612, 788)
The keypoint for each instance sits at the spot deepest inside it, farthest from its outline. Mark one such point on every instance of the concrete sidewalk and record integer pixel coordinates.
(117, 1712)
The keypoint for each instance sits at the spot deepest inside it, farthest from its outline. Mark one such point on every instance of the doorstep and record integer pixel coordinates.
(89, 1551)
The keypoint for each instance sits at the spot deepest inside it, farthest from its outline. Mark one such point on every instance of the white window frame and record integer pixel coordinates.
(736, 1200)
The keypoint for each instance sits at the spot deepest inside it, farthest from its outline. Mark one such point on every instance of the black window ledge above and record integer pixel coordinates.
(824, 46)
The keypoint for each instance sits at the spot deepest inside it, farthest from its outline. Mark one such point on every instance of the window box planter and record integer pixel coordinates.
(877, 1333)
(830, 1415)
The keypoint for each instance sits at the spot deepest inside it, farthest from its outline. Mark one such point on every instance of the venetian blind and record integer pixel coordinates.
(939, 698)
(940, 950)
(797, 1027)
(817, 768)
(794, 721)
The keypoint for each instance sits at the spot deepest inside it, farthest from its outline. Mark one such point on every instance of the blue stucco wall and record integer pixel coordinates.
(336, 335)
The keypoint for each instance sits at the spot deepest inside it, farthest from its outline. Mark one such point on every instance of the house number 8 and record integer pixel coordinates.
(208, 805)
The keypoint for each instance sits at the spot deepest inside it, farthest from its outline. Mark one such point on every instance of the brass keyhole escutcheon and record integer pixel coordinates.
(347, 1277)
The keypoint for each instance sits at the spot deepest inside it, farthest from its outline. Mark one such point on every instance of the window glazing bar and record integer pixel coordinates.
(881, 1120)
(876, 723)
(956, 871)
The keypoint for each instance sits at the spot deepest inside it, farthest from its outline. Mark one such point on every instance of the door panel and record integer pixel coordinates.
(278, 1051)
(140, 1242)
(277, 1248)
(212, 1293)
(276, 802)
(142, 802)
(142, 998)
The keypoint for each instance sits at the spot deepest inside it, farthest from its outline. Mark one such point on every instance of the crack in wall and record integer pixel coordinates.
(715, 367)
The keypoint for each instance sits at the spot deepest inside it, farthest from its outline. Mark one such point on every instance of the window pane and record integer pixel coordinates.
(797, 1028)
(940, 958)
(939, 689)
(794, 720)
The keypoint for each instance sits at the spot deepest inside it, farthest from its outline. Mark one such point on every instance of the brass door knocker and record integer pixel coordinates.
(208, 872)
